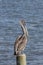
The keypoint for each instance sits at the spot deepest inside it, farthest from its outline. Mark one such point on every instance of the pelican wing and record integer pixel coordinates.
(22, 44)
(17, 43)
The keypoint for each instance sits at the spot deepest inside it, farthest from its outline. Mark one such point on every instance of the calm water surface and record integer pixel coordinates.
(11, 12)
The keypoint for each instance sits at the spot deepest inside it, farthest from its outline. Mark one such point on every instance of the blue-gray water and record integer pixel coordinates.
(11, 12)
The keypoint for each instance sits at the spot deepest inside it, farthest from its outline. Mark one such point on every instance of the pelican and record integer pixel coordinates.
(21, 40)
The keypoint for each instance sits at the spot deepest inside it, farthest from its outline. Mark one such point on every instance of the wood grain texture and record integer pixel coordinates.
(21, 59)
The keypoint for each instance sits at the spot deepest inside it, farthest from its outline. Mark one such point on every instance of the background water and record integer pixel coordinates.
(11, 12)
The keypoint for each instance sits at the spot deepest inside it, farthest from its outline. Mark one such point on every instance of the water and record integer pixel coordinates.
(11, 12)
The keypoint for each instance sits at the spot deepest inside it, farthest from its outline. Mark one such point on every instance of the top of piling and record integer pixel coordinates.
(21, 55)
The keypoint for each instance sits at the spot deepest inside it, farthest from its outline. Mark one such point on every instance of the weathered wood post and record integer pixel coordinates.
(21, 59)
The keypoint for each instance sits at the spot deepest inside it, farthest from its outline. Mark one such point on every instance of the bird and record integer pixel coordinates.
(21, 41)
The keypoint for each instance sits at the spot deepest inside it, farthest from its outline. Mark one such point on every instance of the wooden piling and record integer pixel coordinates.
(21, 59)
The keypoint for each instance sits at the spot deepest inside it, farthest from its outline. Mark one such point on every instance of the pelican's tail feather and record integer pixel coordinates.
(15, 53)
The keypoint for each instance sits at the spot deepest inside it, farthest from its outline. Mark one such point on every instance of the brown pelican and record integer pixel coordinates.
(21, 41)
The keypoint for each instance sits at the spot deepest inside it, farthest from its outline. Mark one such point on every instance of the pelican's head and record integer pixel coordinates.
(22, 22)
(24, 28)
